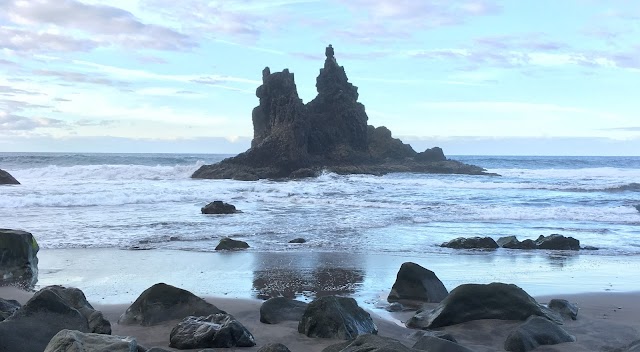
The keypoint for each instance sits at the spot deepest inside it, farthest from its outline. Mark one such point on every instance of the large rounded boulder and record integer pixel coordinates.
(534, 332)
(278, 309)
(416, 285)
(557, 242)
(73, 341)
(162, 302)
(18, 258)
(471, 243)
(216, 331)
(229, 244)
(370, 343)
(478, 301)
(336, 317)
(219, 207)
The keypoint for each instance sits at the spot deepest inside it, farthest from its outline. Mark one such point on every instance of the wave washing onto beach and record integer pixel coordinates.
(150, 201)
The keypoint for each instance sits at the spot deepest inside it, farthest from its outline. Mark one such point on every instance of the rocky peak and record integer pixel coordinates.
(332, 82)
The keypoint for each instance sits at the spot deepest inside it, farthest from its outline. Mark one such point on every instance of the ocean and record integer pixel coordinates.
(149, 201)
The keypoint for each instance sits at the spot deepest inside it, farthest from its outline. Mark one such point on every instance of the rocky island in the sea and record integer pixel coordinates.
(292, 139)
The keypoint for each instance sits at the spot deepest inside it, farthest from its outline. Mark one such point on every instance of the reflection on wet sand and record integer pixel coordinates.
(318, 274)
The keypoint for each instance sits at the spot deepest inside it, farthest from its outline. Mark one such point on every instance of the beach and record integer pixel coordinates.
(236, 281)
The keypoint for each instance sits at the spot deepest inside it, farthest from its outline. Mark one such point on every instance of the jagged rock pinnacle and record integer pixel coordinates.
(329, 52)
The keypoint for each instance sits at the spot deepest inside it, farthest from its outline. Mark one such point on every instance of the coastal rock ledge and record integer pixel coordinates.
(295, 140)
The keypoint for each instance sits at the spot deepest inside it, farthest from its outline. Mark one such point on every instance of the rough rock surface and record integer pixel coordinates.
(370, 343)
(293, 140)
(415, 284)
(534, 332)
(336, 317)
(217, 330)
(7, 179)
(50, 310)
(564, 308)
(558, 242)
(471, 243)
(274, 347)
(7, 307)
(231, 244)
(436, 344)
(73, 341)
(18, 258)
(219, 207)
(637, 206)
(162, 302)
(476, 301)
(277, 309)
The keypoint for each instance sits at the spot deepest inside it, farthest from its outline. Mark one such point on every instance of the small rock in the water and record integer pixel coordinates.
(471, 243)
(219, 207)
(637, 206)
(298, 240)
(7, 179)
(558, 242)
(230, 244)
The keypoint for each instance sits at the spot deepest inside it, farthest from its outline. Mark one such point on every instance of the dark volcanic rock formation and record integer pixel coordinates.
(415, 285)
(336, 317)
(292, 140)
(18, 258)
(471, 243)
(72, 340)
(7, 179)
(231, 244)
(219, 207)
(217, 330)
(536, 331)
(277, 309)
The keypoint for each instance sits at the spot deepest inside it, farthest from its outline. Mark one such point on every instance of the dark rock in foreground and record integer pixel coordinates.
(219, 207)
(231, 244)
(162, 302)
(18, 258)
(7, 307)
(471, 243)
(294, 140)
(564, 308)
(557, 242)
(415, 284)
(475, 301)
(336, 317)
(216, 331)
(536, 331)
(370, 343)
(436, 344)
(274, 347)
(73, 341)
(50, 310)
(7, 179)
(278, 309)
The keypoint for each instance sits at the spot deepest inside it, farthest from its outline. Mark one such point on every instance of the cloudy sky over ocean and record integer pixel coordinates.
(473, 76)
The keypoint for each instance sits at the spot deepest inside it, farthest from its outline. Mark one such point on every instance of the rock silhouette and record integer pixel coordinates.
(293, 140)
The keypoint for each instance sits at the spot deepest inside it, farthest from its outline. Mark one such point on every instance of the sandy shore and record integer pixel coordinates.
(112, 279)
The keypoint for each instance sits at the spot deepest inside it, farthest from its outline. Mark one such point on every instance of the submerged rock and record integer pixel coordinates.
(162, 302)
(73, 341)
(558, 242)
(298, 240)
(278, 309)
(416, 285)
(536, 331)
(471, 243)
(219, 207)
(292, 139)
(336, 317)
(18, 258)
(476, 301)
(216, 331)
(7, 179)
(231, 244)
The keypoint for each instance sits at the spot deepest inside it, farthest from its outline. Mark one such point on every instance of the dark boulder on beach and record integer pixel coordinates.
(565, 308)
(274, 347)
(370, 343)
(214, 331)
(18, 258)
(477, 301)
(7, 307)
(557, 242)
(534, 332)
(7, 179)
(471, 243)
(278, 309)
(219, 207)
(415, 285)
(292, 139)
(50, 310)
(436, 344)
(231, 244)
(73, 341)
(336, 317)
(162, 302)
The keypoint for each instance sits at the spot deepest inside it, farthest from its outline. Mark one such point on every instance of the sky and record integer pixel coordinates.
(505, 77)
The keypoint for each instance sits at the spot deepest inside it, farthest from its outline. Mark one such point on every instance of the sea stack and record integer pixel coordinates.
(293, 140)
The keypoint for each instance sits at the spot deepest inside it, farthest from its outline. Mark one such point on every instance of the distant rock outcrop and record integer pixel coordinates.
(7, 179)
(293, 140)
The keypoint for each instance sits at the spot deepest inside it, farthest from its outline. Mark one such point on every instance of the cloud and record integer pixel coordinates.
(11, 122)
(105, 25)
(624, 129)
(79, 77)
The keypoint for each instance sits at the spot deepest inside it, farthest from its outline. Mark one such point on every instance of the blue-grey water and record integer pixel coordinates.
(70, 200)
